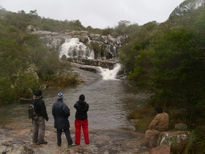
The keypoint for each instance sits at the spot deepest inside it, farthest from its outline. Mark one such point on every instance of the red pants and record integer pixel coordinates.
(84, 124)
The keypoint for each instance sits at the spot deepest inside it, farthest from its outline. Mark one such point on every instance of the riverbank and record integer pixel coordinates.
(17, 139)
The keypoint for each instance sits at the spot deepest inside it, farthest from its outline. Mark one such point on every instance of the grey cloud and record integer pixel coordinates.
(97, 13)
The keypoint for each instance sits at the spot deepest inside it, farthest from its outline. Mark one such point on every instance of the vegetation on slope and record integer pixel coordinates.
(25, 63)
(169, 61)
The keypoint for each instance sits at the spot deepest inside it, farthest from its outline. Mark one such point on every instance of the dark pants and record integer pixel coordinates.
(38, 130)
(67, 134)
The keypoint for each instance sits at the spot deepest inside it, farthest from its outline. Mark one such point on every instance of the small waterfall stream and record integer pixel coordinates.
(73, 48)
(110, 74)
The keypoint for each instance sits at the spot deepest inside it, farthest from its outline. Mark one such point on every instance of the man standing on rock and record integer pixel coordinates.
(39, 120)
(158, 124)
(81, 120)
(61, 112)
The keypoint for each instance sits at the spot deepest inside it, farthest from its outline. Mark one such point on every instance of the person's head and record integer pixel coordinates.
(82, 97)
(37, 93)
(158, 109)
(60, 95)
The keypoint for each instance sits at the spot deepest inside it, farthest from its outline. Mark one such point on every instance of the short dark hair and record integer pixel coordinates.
(158, 109)
(82, 97)
(37, 92)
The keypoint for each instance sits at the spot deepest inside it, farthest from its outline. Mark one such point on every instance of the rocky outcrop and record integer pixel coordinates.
(187, 6)
(15, 138)
(81, 44)
(176, 140)
(93, 62)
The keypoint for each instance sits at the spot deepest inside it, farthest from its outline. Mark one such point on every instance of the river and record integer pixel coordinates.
(110, 102)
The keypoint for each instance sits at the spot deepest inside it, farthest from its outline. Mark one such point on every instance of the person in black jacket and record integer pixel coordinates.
(61, 112)
(81, 120)
(39, 121)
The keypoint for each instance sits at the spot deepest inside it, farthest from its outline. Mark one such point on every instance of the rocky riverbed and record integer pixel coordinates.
(15, 138)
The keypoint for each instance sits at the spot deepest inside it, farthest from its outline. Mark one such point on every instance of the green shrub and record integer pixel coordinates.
(7, 92)
(25, 84)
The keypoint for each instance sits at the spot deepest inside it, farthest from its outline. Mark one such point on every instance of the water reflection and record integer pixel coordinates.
(110, 102)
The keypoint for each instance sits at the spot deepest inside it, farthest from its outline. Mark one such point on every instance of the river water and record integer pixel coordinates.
(110, 102)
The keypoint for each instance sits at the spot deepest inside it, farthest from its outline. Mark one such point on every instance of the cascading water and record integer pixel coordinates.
(110, 74)
(73, 48)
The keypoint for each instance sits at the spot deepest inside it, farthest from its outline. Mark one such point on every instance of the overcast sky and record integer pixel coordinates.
(97, 13)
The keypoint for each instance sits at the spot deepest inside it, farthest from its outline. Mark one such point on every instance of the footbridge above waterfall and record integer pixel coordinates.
(95, 62)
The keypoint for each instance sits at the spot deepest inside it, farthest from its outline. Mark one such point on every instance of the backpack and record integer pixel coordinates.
(31, 111)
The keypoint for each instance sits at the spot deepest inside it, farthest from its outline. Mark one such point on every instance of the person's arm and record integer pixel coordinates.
(44, 112)
(66, 111)
(53, 112)
(87, 107)
(154, 122)
(76, 105)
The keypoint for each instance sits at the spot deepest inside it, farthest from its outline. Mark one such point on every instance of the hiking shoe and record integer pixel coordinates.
(44, 142)
(59, 145)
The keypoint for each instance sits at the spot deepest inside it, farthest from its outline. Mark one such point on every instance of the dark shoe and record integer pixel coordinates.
(59, 145)
(44, 142)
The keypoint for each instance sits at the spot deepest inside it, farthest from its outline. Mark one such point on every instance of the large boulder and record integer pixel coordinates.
(175, 139)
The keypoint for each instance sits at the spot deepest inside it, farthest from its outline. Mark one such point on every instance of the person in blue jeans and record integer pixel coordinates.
(61, 112)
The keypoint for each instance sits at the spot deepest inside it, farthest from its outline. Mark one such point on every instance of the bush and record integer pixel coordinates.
(25, 84)
(7, 91)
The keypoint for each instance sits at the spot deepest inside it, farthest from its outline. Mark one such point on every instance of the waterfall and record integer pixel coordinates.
(110, 74)
(73, 48)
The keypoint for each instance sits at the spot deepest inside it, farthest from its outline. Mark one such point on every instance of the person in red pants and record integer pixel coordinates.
(81, 120)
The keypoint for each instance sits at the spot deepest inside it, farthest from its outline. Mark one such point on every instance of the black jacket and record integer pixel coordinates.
(40, 108)
(82, 109)
(61, 112)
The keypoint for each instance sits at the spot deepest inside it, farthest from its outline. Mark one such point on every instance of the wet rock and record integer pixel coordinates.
(181, 126)
(108, 44)
(163, 149)
(88, 68)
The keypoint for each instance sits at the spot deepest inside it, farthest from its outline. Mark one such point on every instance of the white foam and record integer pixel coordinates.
(110, 74)
(73, 48)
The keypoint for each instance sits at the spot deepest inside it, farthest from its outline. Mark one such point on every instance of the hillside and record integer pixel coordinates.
(167, 60)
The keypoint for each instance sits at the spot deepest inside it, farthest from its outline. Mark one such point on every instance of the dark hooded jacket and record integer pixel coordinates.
(60, 112)
(40, 108)
(82, 109)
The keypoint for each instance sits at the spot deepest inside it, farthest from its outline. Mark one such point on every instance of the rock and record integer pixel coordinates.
(90, 69)
(108, 44)
(151, 138)
(163, 149)
(181, 126)
(27, 150)
(176, 140)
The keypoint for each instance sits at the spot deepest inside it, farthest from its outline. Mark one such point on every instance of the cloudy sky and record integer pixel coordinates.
(97, 13)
